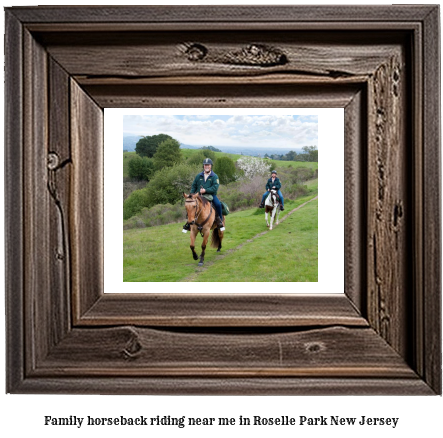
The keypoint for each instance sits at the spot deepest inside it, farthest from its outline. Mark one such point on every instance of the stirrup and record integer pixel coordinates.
(186, 228)
(220, 225)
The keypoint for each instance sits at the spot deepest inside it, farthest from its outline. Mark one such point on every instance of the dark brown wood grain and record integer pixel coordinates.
(86, 205)
(64, 65)
(38, 308)
(58, 175)
(222, 14)
(14, 239)
(430, 318)
(160, 54)
(129, 351)
(355, 187)
(388, 203)
(239, 310)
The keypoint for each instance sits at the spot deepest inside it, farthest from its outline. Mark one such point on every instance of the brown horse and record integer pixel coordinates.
(201, 218)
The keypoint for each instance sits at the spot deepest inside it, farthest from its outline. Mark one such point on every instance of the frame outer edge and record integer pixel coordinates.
(14, 243)
(221, 13)
(431, 315)
(432, 203)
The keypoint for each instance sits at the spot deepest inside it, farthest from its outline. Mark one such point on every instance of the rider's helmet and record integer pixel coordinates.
(207, 161)
(274, 171)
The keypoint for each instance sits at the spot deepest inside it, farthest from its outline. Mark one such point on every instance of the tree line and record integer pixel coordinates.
(156, 152)
(310, 153)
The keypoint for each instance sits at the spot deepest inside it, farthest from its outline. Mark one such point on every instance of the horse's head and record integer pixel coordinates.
(274, 197)
(191, 204)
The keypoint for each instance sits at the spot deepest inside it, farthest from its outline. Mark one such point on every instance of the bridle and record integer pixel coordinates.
(197, 213)
(273, 196)
(196, 208)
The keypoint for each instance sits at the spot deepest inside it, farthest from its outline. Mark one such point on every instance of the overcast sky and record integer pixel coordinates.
(239, 130)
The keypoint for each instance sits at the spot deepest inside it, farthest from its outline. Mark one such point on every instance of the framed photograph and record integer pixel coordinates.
(250, 142)
(377, 333)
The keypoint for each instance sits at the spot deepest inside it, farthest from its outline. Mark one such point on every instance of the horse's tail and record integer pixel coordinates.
(216, 238)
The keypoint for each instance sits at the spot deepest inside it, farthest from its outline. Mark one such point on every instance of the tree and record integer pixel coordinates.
(198, 157)
(147, 146)
(225, 169)
(291, 156)
(253, 166)
(211, 148)
(311, 152)
(140, 168)
(168, 184)
(168, 153)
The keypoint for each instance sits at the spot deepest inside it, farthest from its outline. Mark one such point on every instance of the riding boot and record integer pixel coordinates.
(282, 208)
(220, 223)
(261, 205)
(186, 227)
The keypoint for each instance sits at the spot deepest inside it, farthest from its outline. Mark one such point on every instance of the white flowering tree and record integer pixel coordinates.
(255, 171)
(252, 166)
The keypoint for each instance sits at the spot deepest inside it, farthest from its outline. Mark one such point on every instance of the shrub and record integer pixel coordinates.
(140, 168)
(129, 186)
(242, 194)
(134, 203)
(157, 215)
(225, 169)
(168, 184)
(196, 159)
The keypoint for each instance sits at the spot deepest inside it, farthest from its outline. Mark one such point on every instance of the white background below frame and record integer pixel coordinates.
(331, 206)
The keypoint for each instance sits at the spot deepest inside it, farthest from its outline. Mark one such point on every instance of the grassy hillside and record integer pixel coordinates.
(250, 252)
(186, 153)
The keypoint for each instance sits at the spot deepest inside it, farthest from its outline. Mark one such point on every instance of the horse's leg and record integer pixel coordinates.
(272, 217)
(220, 237)
(278, 213)
(192, 246)
(205, 241)
(266, 217)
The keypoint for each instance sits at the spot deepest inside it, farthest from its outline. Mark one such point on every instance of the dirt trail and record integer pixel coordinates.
(207, 265)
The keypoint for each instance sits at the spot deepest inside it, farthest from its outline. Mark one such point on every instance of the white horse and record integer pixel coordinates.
(272, 205)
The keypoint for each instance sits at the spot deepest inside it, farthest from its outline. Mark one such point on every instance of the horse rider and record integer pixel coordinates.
(273, 183)
(207, 182)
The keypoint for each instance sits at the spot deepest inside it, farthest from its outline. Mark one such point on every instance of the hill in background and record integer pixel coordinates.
(129, 142)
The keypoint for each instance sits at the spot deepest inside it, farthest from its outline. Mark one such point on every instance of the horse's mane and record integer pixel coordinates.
(203, 200)
(270, 199)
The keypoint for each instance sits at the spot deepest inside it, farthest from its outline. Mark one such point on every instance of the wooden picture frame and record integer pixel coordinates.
(65, 64)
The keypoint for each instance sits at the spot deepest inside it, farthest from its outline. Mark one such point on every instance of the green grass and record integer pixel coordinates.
(162, 253)
(295, 164)
(312, 185)
(287, 253)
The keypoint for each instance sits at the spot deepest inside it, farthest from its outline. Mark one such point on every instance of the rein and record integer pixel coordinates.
(272, 203)
(197, 214)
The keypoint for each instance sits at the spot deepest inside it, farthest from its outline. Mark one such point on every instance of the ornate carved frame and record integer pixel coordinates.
(65, 64)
